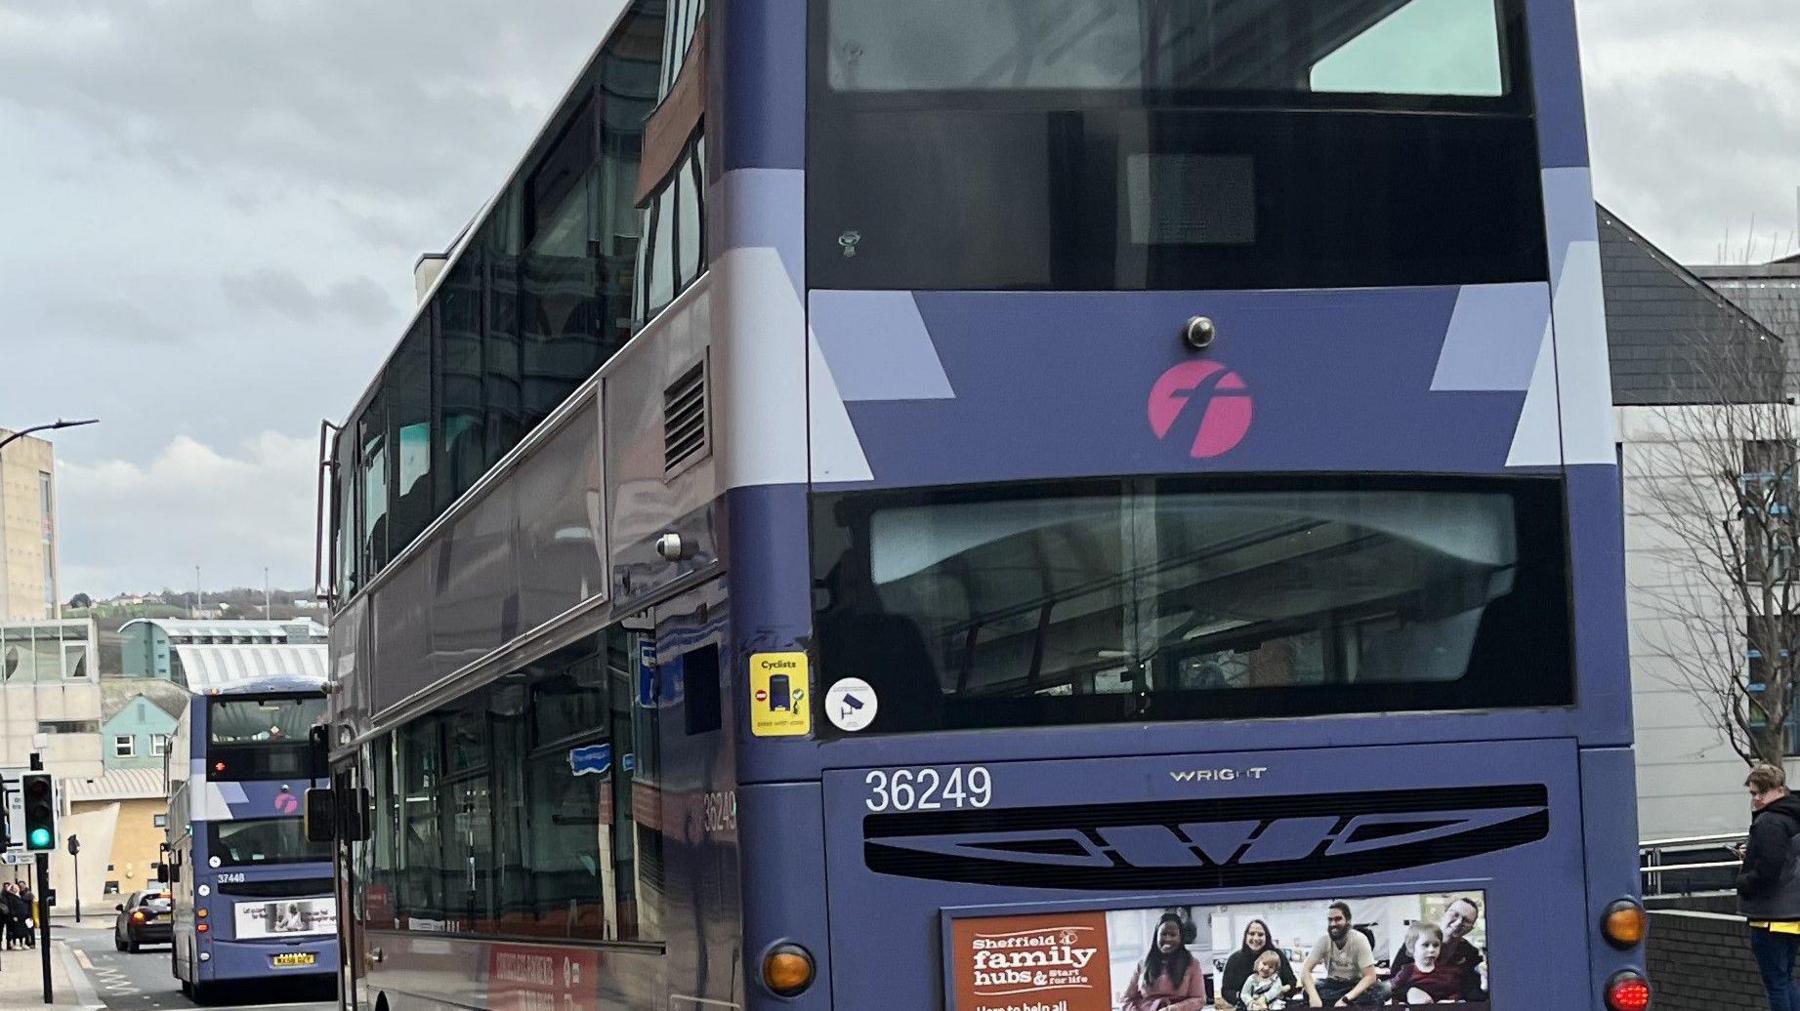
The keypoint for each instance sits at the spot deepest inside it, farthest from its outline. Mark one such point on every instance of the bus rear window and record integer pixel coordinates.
(261, 738)
(1170, 144)
(1172, 600)
(265, 721)
(1404, 47)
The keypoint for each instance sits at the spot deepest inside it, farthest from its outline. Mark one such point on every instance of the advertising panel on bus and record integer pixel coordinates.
(1414, 949)
(285, 918)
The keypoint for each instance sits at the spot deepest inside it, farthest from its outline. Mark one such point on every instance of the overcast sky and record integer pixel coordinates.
(209, 213)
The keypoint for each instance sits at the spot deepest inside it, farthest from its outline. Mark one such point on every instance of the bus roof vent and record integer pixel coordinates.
(684, 420)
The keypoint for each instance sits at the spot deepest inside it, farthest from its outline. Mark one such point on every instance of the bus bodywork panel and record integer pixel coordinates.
(1245, 830)
(945, 387)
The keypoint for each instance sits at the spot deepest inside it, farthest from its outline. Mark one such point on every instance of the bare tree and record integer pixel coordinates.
(1716, 478)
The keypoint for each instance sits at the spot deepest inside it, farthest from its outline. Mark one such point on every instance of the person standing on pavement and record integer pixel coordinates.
(28, 919)
(10, 915)
(1768, 886)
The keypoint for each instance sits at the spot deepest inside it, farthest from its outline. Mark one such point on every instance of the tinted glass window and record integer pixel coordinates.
(345, 530)
(1165, 600)
(531, 829)
(270, 721)
(407, 393)
(373, 466)
(421, 860)
(568, 697)
(259, 841)
(1419, 47)
(675, 223)
(536, 300)
(380, 852)
(461, 420)
(1171, 145)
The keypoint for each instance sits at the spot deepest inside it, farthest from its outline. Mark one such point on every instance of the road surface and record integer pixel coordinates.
(142, 982)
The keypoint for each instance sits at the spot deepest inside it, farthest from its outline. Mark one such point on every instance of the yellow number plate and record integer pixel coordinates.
(296, 958)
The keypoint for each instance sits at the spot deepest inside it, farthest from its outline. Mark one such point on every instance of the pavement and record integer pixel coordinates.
(22, 980)
(89, 973)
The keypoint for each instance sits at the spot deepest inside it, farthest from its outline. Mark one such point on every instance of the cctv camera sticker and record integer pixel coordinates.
(851, 704)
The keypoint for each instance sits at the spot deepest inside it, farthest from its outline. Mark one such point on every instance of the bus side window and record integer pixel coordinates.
(512, 811)
(701, 667)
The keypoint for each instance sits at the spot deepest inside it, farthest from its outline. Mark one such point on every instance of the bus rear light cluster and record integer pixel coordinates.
(201, 928)
(788, 970)
(201, 913)
(1628, 991)
(1625, 924)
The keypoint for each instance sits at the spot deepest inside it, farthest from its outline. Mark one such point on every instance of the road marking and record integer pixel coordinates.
(82, 958)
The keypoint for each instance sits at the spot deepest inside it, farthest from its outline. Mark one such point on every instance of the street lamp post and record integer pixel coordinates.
(58, 423)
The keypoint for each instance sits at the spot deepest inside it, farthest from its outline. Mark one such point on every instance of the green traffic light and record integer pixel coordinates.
(40, 838)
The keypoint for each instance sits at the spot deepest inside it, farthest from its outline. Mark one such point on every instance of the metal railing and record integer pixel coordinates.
(1689, 865)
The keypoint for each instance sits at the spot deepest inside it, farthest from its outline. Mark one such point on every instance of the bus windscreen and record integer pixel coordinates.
(257, 842)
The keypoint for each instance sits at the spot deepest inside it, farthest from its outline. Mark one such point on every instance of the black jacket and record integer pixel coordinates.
(1768, 885)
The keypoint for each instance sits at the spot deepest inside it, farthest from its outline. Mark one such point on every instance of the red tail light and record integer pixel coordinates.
(1628, 991)
(137, 916)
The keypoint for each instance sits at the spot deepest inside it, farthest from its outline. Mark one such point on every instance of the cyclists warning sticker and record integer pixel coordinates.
(779, 685)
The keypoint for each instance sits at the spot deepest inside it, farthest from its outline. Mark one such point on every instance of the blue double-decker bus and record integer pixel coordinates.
(252, 898)
(990, 506)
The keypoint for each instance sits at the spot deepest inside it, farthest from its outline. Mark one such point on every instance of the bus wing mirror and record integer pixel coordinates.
(321, 825)
(318, 741)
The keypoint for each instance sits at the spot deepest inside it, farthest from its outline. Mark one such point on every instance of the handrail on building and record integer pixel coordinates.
(1662, 878)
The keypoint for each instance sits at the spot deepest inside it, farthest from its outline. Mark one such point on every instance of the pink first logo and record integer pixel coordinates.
(1216, 395)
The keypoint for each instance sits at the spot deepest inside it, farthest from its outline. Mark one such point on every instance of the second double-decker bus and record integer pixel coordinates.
(991, 506)
(252, 898)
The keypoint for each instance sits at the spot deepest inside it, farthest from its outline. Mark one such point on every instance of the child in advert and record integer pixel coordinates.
(1262, 989)
(1424, 980)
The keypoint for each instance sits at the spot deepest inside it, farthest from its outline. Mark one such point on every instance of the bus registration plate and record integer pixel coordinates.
(289, 959)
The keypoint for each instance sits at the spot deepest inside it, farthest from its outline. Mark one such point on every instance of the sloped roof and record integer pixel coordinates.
(226, 628)
(117, 692)
(1768, 291)
(119, 784)
(212, 666)
(1663, 322)
(109, 715)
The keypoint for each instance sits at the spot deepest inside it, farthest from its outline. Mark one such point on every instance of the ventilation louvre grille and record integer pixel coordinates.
(684, 420)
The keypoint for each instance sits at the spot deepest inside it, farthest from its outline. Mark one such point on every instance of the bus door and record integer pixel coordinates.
(345, 779)
(694, 772)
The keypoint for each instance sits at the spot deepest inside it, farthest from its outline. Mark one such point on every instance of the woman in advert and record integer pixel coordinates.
(1242, 964)
(1169, 978)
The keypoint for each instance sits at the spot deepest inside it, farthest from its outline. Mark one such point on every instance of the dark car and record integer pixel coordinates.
(143, 919)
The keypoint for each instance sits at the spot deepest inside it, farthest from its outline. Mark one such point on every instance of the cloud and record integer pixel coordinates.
(233, 511)
(215, 209)
(386, 98)
(282, 291)
(1694, 115)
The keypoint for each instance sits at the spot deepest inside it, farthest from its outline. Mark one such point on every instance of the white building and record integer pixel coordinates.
(1664, 326)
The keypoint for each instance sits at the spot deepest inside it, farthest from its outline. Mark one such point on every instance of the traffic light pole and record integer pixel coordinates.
(42, 912)
(43, 921)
